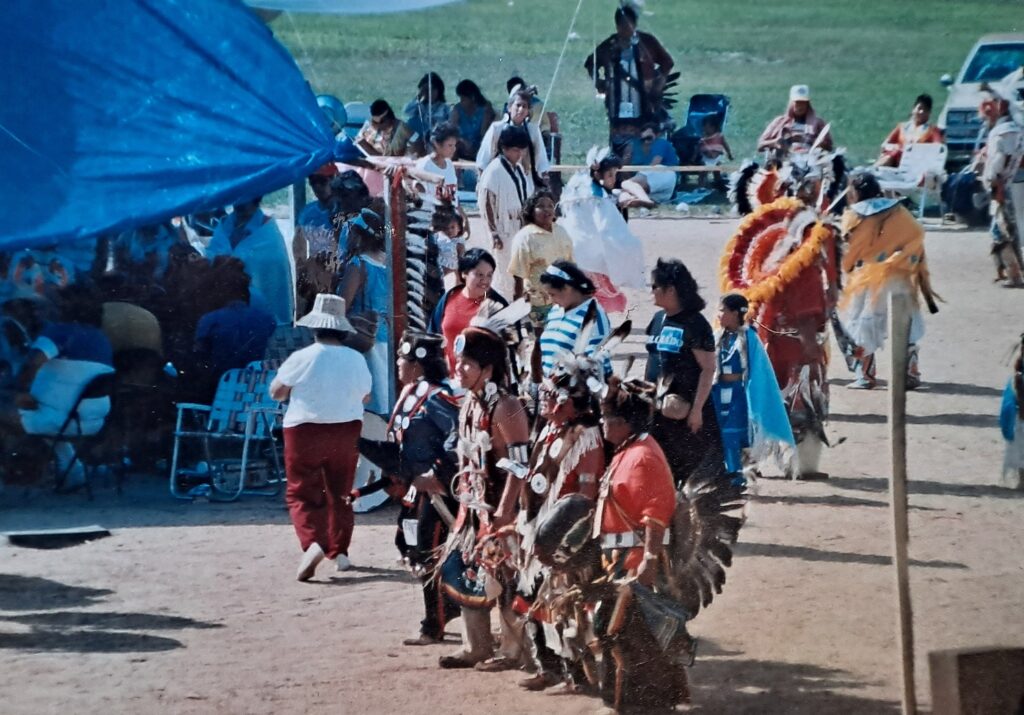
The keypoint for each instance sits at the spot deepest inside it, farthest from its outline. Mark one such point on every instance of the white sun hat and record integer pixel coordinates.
(799, 93)
(328, 314)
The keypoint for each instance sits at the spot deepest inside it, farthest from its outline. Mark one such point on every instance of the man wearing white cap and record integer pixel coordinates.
(798, 129)
(326, 386)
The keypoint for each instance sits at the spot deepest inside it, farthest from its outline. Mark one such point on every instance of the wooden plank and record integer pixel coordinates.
(899, 337)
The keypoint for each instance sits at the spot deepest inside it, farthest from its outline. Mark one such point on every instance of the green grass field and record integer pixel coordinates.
(864, 60)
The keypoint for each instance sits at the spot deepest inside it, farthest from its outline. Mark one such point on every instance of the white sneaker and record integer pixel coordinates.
(343, 563)
(310, 559)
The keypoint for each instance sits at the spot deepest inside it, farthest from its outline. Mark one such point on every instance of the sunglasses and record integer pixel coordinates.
(647, 138)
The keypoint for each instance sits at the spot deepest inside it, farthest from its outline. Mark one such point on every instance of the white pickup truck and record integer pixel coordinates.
(990, 60)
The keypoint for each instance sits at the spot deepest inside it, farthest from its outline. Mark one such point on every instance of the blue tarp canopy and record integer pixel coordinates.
(347, 7)
(123, 113)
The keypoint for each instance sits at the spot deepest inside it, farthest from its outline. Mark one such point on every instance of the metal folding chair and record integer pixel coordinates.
(242, 413)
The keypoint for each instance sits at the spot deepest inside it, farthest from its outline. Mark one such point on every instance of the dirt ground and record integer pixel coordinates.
(193, 608)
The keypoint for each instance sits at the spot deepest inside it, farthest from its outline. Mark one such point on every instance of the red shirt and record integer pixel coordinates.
(458, 311)
(642, 489)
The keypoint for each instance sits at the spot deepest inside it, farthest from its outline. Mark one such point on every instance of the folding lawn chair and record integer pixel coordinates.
(242, 412)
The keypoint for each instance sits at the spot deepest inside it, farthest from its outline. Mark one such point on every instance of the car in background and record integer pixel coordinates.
(990, 60)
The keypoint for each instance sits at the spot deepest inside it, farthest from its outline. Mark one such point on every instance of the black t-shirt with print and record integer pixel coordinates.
(671, 341)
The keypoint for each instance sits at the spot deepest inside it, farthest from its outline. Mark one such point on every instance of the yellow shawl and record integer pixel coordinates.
(882, 248)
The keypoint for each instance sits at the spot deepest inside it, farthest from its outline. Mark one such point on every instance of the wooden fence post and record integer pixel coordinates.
(899, 341)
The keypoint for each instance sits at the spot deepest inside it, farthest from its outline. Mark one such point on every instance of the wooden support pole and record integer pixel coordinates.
(899, 341)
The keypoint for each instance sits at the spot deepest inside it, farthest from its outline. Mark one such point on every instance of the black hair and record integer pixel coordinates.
(443, 216)
(673, 273)
(443, 132)
(469, 88)
(711, 120)
(434, 364)
(925, 100)
(361, 240)
(865, 184)
(321, 333)
(513, 82)
(736, 302)
(381, 106)
(577, 278)
(473, 257)
(435, 82)
(229, 278)
(80, 304)
(513, 137)
(531, 204)
(624, 13)
(632, 401)
(611, 161)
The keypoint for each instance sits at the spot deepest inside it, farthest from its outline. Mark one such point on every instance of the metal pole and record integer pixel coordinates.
(899, 335)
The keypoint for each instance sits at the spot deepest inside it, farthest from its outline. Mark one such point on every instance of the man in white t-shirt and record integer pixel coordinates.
(326, 386)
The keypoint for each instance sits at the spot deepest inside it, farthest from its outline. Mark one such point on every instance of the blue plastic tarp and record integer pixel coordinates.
(347, 7)
(122, 113)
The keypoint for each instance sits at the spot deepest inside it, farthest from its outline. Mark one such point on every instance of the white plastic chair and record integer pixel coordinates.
(922, 168)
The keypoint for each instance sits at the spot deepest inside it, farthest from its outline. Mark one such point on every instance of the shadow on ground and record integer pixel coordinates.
(918, 486)
(38, 603)
(807, 553)
(735, 685)
(953, 419)
(145, 502)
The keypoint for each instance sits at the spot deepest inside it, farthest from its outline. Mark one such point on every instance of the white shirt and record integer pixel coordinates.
(447, 174)
(328, 384)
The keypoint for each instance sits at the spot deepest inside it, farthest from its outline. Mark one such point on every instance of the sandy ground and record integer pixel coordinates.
(193, 608)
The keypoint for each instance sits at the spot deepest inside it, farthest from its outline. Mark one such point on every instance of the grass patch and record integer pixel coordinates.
(865, 60)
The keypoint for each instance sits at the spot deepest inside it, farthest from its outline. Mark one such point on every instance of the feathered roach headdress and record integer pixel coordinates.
(580, 375)
(486, 339)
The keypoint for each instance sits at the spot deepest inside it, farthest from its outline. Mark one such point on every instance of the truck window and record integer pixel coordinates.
(993, 62)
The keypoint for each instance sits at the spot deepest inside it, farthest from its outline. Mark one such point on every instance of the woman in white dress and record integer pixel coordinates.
(602, 244)
(501, 194)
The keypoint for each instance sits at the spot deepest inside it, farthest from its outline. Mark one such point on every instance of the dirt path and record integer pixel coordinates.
(193, 608)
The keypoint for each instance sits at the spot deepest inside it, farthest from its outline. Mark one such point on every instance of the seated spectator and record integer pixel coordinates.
(472, 114)
(232, 336)
(426, 111)
(384, 134)
(649, 149)
(315, 243)
(21, 319)
(713, 145)
(798, 129)
(253, 237)
(64, 358)
(916, 130)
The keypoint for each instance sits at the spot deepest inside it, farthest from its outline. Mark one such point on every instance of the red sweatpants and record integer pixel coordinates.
(320, 465)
